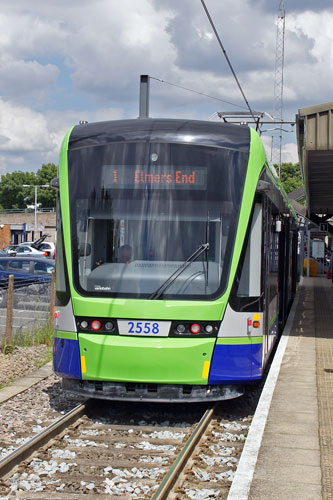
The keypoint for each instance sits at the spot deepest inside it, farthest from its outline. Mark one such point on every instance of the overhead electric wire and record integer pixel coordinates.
(196, 92)
(227, 58)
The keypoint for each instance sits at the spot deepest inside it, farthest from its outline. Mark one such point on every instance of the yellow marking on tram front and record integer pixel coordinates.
(205, 370)
(83, 364)
(256, 317)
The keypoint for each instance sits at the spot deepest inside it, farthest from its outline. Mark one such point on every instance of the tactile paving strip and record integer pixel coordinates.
(323, 315)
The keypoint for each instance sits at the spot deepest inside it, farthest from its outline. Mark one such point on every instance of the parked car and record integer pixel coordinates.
(10, 250)
(49, 248)
(41, 245)
(27, 271)
(24, 249)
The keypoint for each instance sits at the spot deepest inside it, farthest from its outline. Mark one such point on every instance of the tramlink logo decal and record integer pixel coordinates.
(156, 177)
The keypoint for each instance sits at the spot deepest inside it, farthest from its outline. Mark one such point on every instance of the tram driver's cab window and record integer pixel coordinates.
(246, 293)
(250, 280)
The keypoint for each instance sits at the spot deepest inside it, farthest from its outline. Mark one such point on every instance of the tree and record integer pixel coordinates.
(14, 195)
(290, 176)
(46, 196)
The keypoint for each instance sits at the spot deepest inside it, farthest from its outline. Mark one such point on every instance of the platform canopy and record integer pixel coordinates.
(315, 148)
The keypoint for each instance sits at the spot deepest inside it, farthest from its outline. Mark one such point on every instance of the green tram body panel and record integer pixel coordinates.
(212, 310)
(149, 309)
(162, 360)
(146, 360)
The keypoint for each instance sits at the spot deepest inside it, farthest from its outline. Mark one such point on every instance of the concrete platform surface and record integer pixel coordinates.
(290, 455)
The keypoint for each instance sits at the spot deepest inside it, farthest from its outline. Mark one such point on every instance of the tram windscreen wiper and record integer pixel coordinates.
(157, 294)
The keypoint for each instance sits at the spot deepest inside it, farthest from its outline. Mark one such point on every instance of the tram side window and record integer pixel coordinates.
(62, 285)
(290, 261)
(250, 279)
(273, 271)
(246, 294)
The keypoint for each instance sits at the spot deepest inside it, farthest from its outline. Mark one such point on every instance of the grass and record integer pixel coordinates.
(41, 335)
(46, 359)
(7, 349)
(9, 381)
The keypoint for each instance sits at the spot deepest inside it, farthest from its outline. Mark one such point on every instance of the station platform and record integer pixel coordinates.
(289, 450)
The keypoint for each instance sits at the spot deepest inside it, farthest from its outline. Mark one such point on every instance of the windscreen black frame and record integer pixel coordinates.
(226, 170)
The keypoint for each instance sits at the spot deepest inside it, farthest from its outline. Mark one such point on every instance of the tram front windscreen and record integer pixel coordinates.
(140, 210)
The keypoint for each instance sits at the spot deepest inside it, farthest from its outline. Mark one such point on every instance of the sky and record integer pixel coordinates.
(62, 62)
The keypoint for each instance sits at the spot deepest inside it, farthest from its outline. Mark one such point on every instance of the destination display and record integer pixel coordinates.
(155, 177)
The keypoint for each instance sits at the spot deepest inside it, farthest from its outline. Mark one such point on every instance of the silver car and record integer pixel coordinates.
(22, 250)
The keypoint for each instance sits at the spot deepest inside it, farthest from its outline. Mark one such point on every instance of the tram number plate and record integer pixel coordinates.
(144, 328)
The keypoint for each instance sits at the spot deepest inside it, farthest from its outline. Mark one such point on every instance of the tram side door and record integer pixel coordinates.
(270, 275)
(266, 271)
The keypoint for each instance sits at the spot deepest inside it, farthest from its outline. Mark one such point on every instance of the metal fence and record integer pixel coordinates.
(25, 306)
(26, 210)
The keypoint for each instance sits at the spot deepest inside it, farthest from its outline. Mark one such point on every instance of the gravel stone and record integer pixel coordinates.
(31, 411)
(62, 469)
(22, 361)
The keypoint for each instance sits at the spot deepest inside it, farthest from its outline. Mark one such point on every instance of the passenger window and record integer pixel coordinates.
(24, 249)
(23, 266)
(62, 284)
(15, 265)
(42, 268)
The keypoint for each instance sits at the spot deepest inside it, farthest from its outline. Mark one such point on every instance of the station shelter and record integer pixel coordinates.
(314, 126)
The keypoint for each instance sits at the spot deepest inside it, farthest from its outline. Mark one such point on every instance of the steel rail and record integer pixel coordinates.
(162, 493)
(25, 451)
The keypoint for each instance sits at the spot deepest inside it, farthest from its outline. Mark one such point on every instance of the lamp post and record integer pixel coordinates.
(35, 186)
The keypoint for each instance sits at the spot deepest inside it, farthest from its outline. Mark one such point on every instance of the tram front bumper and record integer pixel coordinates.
(161, 393)
(145, 360)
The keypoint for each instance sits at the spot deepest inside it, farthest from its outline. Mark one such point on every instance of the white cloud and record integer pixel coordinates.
(53, 53)
(116, 45)
(14, 163)
(244, 28)
(21, 78)
(25, 129)
(59, 122)
(289, 153)
(26, 34)
(311, 81)
(29, 138)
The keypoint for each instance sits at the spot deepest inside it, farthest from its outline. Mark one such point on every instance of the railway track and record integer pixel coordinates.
(148, 454)
(28, 410)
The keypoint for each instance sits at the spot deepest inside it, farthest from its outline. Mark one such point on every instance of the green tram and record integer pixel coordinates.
(176, 260)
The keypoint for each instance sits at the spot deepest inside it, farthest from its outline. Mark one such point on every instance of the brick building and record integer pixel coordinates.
(19, 227)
